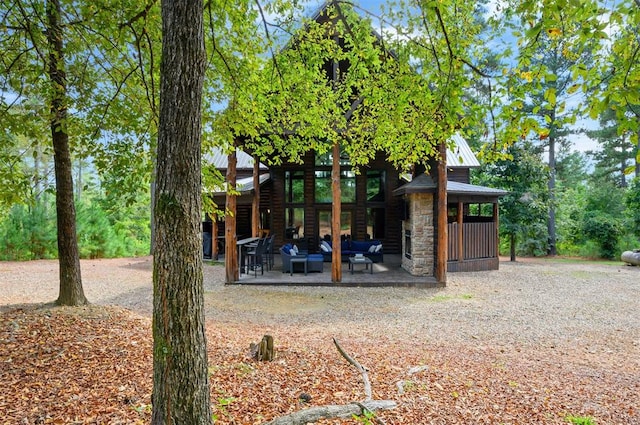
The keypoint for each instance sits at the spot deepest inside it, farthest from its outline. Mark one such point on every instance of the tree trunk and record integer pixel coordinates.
(513, 246)
(230, 258)
(551, 223)
(71, 292)
(442, 240)
(336, 210)
(637, 157)
(180, 375)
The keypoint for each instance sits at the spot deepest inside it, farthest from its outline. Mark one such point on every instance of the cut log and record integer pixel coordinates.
(631, 257)
(313, 414)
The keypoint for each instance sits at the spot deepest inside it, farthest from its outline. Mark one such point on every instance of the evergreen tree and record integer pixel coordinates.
(523, 209)
(549, 98)
(617, 154)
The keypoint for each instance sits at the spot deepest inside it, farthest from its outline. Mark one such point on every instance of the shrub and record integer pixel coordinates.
(604, 230)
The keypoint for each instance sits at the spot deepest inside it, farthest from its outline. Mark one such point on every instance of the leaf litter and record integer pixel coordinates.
(93, 365)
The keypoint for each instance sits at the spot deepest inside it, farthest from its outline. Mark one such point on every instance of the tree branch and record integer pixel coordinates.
(215, 45)
(313, 414)
(140, 15)
(266, 32)
(361, 369)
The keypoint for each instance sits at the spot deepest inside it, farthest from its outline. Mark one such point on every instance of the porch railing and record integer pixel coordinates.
(478, 241)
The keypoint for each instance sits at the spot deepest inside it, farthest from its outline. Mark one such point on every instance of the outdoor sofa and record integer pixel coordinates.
(349, 248)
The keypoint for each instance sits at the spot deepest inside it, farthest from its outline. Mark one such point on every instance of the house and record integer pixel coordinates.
(379, 204)
(293, 202)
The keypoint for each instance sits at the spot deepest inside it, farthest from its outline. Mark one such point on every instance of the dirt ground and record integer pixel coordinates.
(534, 301)
(563, 335)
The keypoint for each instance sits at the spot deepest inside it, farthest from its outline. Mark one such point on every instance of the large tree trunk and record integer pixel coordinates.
(71, 292)
(180, 376)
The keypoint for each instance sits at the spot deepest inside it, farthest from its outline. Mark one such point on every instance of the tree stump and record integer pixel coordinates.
(265, 349)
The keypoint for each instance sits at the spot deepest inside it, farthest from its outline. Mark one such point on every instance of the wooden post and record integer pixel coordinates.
(441, 243)
(496, 221)
(230, 247)
(214, 238)
(336, 254)
(460, 232)
(255, 203)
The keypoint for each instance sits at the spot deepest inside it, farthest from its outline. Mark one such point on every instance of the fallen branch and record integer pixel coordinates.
(362, 370)
(313, 414)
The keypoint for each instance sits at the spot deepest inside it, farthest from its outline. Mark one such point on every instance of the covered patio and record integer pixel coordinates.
(388, 273)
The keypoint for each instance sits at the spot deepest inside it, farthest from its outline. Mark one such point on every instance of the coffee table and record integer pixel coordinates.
(361, 260)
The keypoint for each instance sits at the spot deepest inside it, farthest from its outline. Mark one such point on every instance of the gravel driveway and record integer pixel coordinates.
(534, 302)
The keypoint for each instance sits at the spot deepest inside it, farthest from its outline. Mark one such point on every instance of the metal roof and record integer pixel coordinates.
(244, 185)
(218, 158)
(456, 188)
(462, 156)
(421, 184)
(424, 183)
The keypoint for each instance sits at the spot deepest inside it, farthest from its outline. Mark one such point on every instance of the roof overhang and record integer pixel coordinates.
(424, 183)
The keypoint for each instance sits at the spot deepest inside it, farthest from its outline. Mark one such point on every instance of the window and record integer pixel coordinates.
(295, 223)
(326, 159)
(376, 223)
(376, 207)
(294, 187)
(375, 186)
(323, 191)
(294, 204)
(324, 223)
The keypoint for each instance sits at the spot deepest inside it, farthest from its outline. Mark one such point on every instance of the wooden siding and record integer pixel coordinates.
(479, 264)
(458, 174)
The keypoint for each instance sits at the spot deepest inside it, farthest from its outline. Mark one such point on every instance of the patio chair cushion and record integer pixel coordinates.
(325, 247)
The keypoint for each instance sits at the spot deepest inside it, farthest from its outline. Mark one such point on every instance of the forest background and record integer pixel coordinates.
(562, 200)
